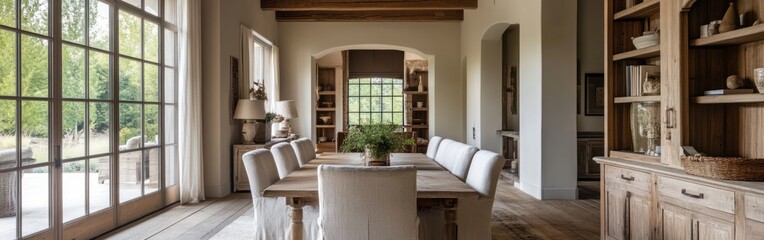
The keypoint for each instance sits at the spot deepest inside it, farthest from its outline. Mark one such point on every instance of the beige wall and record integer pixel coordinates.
(302, 43)
(547, 82)
(591, 54)
(220, 41)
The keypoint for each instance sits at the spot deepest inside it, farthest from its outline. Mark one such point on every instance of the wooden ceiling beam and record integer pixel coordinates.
(371, 16)
(344, 5)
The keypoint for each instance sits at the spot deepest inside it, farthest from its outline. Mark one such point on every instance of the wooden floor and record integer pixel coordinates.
(516, 215)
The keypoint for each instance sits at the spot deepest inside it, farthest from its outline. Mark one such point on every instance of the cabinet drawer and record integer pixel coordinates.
(754, 207)
(631, 178)
(697, 195)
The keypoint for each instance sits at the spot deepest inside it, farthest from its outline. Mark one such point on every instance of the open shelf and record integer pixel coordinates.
(414, 92)
(324, 126)
(634, 156)
(417, 126)
(734, 98)
(644, 9)
(327, 93)
(739, 36)
(637, 99)
(326, 109)
(648, 52)
(424, 109)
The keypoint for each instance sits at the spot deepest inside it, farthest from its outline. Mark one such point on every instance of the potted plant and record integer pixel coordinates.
(377, 142)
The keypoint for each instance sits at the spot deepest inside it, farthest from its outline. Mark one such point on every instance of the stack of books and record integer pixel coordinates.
(635, 75)
(728, 91)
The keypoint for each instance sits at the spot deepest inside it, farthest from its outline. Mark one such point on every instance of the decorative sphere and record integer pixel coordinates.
(734, 82)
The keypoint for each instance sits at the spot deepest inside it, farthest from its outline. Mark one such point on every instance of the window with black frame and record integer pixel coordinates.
(375, 100)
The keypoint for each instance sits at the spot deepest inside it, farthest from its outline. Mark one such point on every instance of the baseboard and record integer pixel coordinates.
(534, 191)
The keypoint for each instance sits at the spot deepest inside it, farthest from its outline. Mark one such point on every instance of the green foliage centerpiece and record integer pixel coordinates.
(377, 141)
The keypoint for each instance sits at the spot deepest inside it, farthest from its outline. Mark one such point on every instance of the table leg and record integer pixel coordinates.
(449, 210)
(296, 225)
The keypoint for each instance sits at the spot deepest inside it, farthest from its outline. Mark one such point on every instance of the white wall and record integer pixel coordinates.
(547, 83)
(301, 43)
(220, 41)
(591, 54)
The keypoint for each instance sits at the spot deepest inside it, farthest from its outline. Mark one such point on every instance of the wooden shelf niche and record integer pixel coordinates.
(416, 118)
(326, 106)
(625, 23)
(728, 125)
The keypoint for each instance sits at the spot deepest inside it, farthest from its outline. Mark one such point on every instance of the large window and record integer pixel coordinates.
(375, 100)
(100, 93)
(262, 67)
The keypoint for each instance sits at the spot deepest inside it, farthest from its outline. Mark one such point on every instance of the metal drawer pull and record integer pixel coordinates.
(627, 178)
(698, 196)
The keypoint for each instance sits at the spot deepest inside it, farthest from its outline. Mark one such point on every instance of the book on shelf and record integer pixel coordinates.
(635, 77)
(727, 91)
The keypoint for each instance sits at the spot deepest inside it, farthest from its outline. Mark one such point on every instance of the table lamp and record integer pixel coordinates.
(287, 110)
(249, 111)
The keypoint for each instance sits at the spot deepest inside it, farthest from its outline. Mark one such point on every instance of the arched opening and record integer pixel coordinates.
(328, 118)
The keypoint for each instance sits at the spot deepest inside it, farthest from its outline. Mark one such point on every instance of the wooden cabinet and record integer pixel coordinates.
(240, 181)
(627, 202)
(590, 145)
(647, 201)
(628, 213)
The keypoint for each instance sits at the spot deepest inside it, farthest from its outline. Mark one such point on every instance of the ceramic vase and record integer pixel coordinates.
(420, 88)
(651, 86)
(731, 20)
(758, 78)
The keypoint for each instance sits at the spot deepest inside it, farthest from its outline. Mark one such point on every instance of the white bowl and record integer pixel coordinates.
(648, 40)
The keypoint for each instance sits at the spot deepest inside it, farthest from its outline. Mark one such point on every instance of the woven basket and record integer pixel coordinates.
(726, 168)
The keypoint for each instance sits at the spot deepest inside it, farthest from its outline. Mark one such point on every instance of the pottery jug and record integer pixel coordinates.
(651, 86)
(730, 21)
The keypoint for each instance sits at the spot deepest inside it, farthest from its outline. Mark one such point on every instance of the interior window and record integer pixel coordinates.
(375, 100)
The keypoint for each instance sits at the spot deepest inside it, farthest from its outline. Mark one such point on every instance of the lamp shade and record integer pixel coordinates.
(286, 109)
(249, 109)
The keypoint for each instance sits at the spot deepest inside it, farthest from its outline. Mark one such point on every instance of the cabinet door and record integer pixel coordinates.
(754, 229)
(675, 222)
(594, 149)
(628, 214)
(709, 228)
(581, 156)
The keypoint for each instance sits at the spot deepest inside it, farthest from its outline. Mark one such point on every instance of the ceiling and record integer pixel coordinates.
(368, 10)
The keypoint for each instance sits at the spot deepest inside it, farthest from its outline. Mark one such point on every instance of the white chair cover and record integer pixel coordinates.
(473, 216)
(432, 147)
(272, 215)
(455, 157)
(305, 150)
(286, 159)
(367, 203)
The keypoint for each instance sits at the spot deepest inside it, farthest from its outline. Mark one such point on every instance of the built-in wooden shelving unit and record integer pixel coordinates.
(326, 106)
(642, 10)
(417, 119)
(656, 98)
(736, 98)
(739, 36)
(648, 52)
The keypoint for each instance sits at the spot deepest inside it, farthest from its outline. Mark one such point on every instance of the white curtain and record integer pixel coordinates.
(190, 104)
(247, 56)
(274, 89)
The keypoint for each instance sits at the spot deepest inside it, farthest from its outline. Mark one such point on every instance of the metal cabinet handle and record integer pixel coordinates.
(627, 216)
(627, 178)
(670, 118)
(698, 196)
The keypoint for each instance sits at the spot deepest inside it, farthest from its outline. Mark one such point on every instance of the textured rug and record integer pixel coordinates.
(503, 226)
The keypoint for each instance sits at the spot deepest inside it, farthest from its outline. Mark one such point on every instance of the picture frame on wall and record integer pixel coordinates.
(594, 85)
(234, 84)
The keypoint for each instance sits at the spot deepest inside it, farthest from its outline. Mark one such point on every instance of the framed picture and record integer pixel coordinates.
(234, 84)
(594, 104)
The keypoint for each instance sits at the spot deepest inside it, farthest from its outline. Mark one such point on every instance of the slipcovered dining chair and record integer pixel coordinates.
(473, 216)
(286, 159)
(455, 157)
(272, 214)
(304, 150)
(432, 147)
(367, 203)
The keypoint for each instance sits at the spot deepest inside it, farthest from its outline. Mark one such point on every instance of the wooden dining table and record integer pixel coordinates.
(436, 186)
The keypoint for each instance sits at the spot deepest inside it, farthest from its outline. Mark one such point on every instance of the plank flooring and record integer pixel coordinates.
(516, 215)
